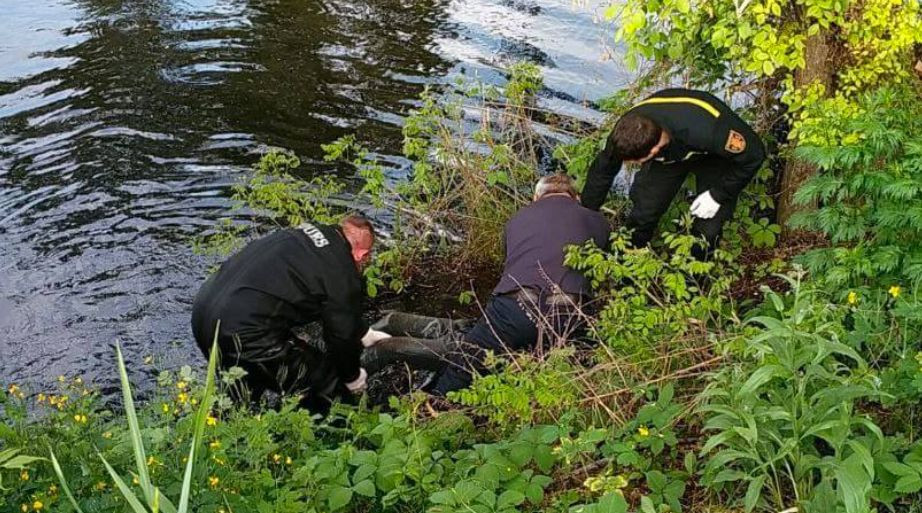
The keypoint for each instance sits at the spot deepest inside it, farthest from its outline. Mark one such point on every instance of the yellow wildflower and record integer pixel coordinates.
(37, 505)
(181, 385)
(62, 378)
(276, 458)
(643, 431)
(78, 380)
(852, 298)
(24, 475)
(40, 398)
(166, 408)
(193, 401)
(288, 460)
(215, 445)
(24, 508)
(80, 418)
(135, 480)
(151, 461)
(211, 421)
(107, 435)
(182, 397)
(13, 389)
(52, 489)
(100, 486)
(217, 460)
(213, 481)
(895, 291)
(148, 360)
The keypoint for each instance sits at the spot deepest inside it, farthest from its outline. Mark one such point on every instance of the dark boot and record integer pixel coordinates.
(401, 324)
(418, 353)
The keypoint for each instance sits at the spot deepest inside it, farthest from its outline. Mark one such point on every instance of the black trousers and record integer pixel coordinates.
(289, 367)
(656, 185)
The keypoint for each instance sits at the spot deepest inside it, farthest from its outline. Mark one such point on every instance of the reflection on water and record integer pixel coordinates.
(123, 123)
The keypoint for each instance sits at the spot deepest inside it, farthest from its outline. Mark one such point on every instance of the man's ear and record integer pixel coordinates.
(359, 254)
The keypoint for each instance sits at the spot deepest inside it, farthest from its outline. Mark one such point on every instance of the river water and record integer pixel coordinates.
(124, 122)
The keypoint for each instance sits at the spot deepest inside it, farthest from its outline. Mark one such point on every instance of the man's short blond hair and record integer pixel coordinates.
(555, 184)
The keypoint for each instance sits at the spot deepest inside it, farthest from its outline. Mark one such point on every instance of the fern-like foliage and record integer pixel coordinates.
(869, 194)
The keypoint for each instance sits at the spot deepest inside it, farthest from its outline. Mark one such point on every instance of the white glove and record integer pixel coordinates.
(371, 337)
(358, 386)
(704, 206)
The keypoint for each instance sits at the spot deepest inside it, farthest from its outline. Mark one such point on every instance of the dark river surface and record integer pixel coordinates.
(124, 122)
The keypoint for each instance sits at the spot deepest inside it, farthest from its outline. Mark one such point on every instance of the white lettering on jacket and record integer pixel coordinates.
(315, 235)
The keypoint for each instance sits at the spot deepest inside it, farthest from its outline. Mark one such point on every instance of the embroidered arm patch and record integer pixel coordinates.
(736, 143)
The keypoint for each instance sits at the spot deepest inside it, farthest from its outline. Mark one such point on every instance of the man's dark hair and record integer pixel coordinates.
(634, 136)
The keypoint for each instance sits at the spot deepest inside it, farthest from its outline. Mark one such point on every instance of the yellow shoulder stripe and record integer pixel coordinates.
(682, 99)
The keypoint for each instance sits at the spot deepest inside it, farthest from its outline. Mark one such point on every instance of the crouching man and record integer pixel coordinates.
(290, 278)
(536, 291)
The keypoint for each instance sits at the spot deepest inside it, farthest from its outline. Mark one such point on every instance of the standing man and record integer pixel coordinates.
(536, 289)
(672, 133)
(290, 278)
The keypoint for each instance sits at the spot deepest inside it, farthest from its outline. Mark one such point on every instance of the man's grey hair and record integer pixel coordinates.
(555, 184)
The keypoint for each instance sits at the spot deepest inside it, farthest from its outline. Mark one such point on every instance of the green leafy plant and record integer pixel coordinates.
(523, 391)
(869, 195)
(153, 499)
(783, 421)
(647, 299)
(11, 459)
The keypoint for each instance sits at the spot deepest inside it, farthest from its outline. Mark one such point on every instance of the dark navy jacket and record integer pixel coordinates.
(536, 238)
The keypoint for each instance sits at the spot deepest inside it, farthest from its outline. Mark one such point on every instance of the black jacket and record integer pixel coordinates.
(286, 279)
(697, 123)
(536, 238)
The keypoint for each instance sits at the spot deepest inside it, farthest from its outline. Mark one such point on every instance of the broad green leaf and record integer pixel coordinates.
(339, 497)
(510, 498)
(366, 488)
(908, 484)
(760, 377)
(900, 469)
(853, 485)
(646, 505)
(362, 473)
(446, 497)
(612, 503)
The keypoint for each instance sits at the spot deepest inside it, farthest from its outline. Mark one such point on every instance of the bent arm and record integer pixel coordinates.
(601, 174)
(737, 142)
(343, 328)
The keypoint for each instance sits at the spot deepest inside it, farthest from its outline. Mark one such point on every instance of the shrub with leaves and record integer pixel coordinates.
(647, 299)
(869, 193)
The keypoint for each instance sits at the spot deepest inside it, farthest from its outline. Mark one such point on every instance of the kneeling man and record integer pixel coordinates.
(287, 279)
(536, 289)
